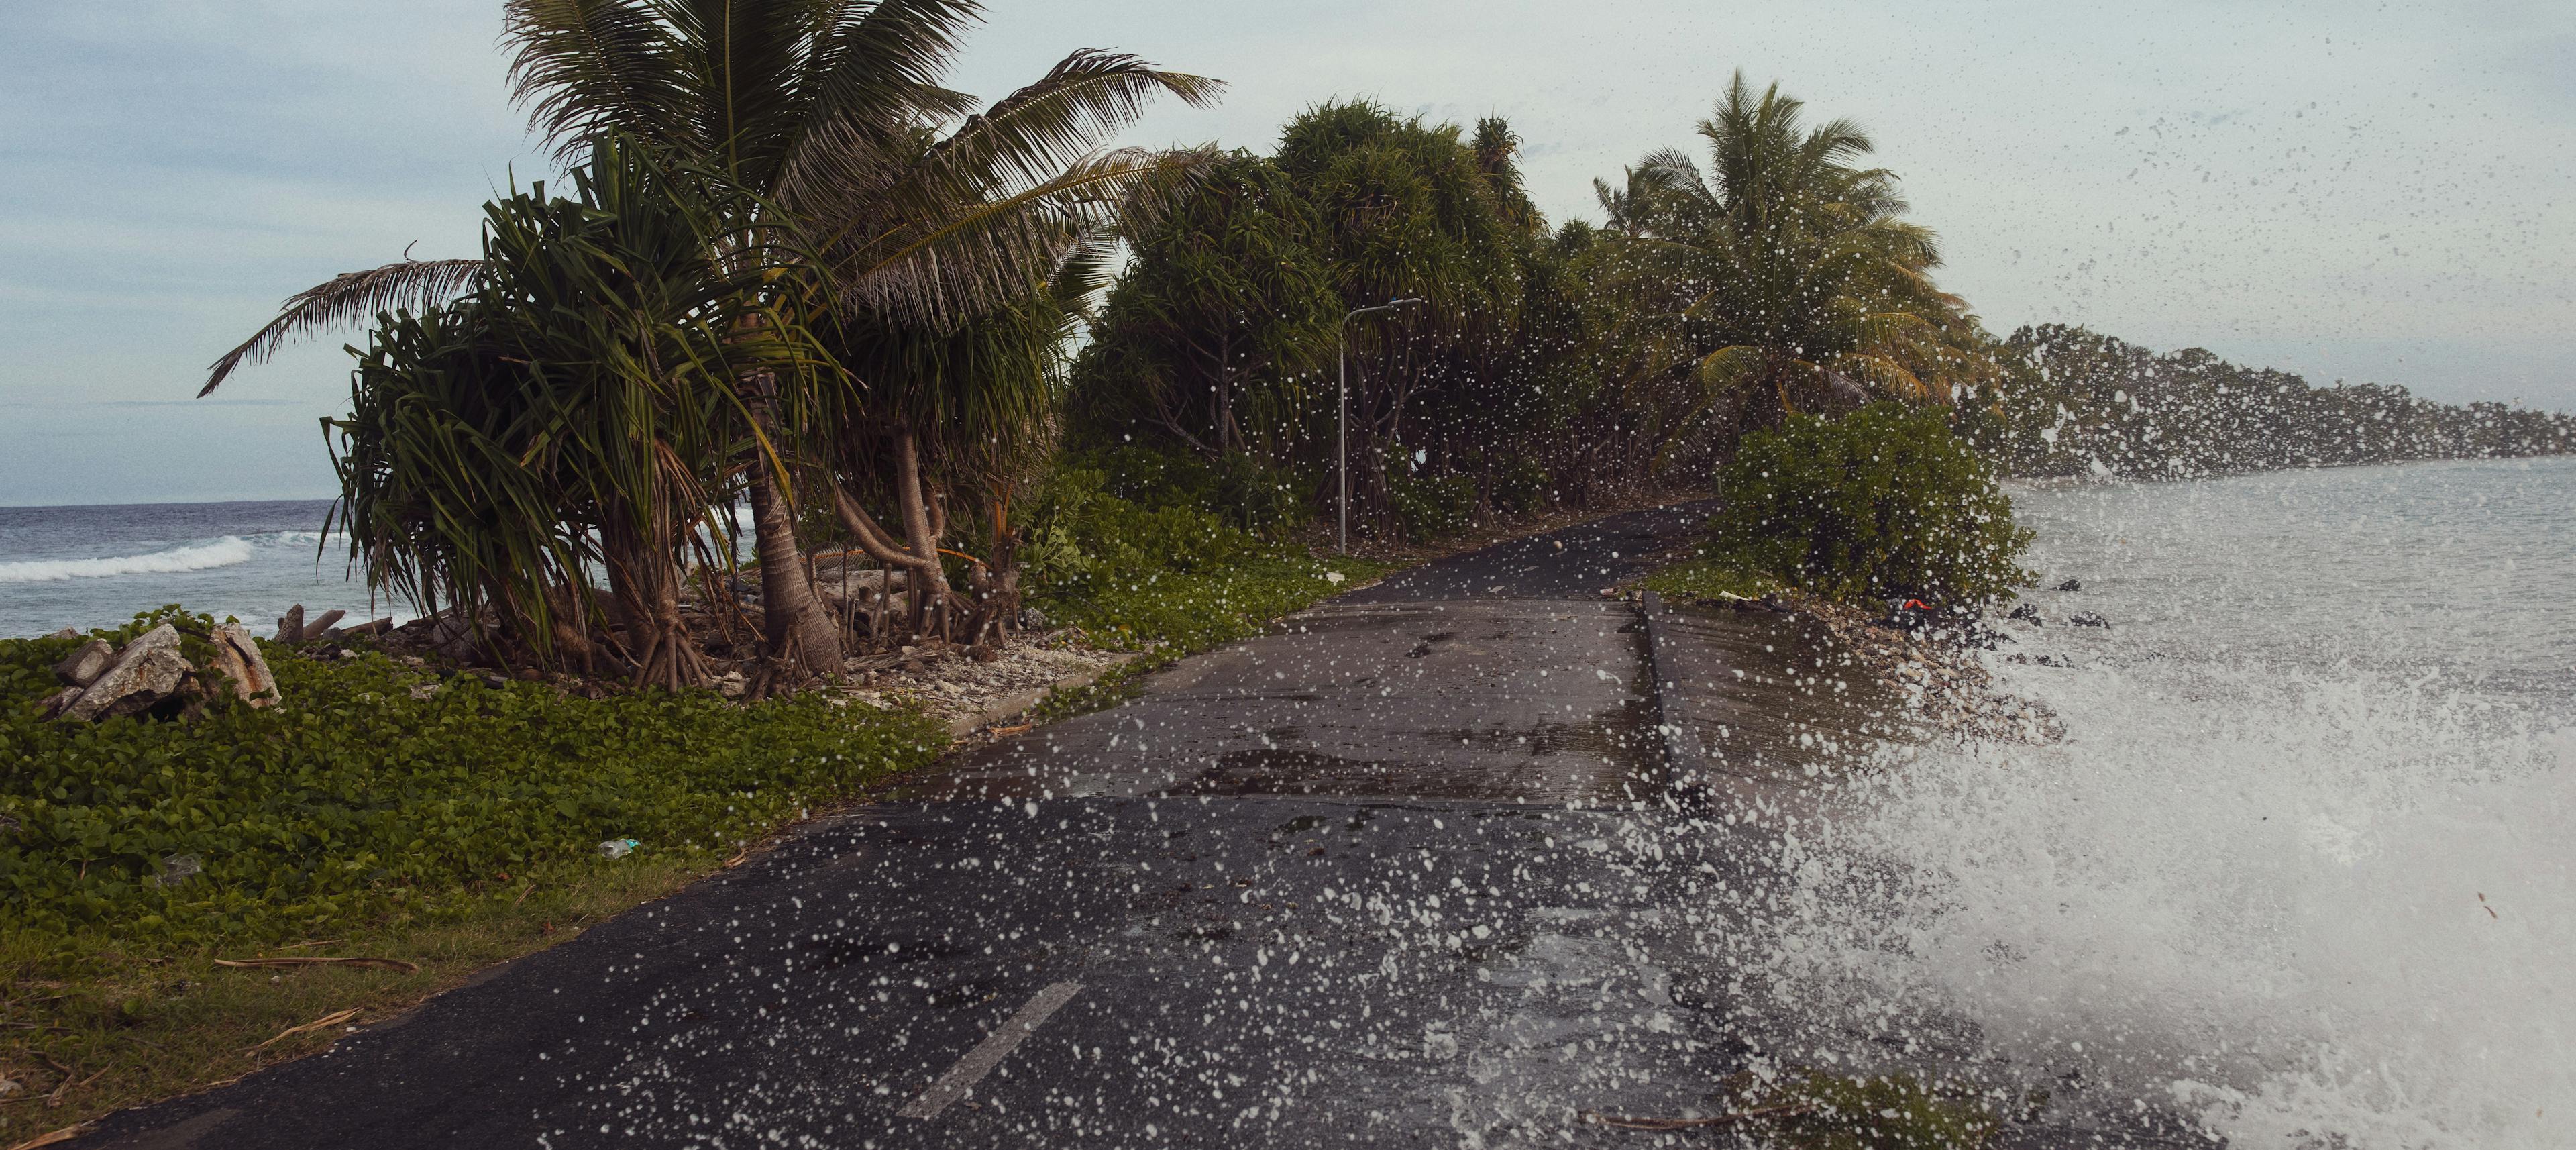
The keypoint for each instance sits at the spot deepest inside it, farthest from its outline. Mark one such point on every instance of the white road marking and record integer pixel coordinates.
(989, 1053)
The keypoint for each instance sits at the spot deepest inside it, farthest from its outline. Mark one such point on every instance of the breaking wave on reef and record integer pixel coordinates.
(2294, 895)
(228, 551)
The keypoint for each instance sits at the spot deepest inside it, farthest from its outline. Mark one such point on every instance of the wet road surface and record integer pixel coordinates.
(1520, 701)
(1392, 875)
(1401, 873)
(1774, 704)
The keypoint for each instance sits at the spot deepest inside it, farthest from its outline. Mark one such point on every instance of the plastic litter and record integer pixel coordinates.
(617, 848)
(179, 868)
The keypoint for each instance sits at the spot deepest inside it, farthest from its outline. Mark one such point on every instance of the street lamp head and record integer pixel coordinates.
(1389, 305)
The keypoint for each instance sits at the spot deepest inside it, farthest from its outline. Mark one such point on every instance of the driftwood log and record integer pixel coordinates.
(293, 629)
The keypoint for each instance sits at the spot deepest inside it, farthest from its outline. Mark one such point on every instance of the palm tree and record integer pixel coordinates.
(833, 111)
(832, 115)
(1819, 291)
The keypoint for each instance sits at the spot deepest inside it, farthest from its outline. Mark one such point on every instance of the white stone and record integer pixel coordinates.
(147, 671)
(237, 655)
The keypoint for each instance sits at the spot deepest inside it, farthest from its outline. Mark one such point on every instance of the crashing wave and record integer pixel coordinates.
(224, 552)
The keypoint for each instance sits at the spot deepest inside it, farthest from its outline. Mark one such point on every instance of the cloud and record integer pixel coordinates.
(2364, 194)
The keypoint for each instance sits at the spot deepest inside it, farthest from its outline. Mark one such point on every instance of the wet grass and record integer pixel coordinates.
(1815, 1110)
(433, 826)
(1178, 614)
(1811, 1109)
(1708, 580)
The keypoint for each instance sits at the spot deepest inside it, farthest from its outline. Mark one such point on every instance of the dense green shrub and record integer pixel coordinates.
(1431, 506)
(358, 798)
(1885, 501)
(1521, 485)
(1238, 488)
(1079, 536)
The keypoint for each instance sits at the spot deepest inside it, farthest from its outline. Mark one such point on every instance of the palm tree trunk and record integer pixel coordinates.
(793, 622)
(644, 579)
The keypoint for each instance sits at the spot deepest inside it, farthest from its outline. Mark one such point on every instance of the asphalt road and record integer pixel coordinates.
(1403, 872)
(1396, 874)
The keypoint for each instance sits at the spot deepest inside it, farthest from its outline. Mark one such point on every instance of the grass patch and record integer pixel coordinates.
(437, 821)
(1709, 580)
(126, 1028)
(1167, 615)
(1144, 557)
(1820, 1111)
(1196, 610)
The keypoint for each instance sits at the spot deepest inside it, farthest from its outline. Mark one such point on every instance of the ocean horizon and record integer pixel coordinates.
(97, 565)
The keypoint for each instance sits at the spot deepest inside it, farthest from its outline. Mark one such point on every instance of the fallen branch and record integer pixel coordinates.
(56, 1138)
(1785, 1110)
(332, 1019)
(55, 1099)
(375, 963)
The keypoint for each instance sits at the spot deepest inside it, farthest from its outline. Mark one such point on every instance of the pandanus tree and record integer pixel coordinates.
(830, 116)
(574, 413)
(918, 207)
(1818, 290)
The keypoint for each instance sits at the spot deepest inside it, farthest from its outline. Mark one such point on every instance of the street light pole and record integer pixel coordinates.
(1342, 434)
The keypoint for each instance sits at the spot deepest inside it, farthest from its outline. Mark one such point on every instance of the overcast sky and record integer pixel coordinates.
(2368, 192)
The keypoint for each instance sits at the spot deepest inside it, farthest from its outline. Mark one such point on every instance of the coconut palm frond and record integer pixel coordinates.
(875, 55)
(937, 269)
(585, 65)
(1883, 374)
(1729, 368)
(1083, 273)
(1087, 97)
(347, 299)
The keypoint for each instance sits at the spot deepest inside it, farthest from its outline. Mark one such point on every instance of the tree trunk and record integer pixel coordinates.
(997, 588)
(924, 521)
(793, 622)
(644, 577)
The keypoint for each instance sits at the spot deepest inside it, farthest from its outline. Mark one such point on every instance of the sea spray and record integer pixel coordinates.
(2296, 894)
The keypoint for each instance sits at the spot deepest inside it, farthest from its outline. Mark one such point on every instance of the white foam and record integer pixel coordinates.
(2298, 907)
(225, 552)
(2303, 901)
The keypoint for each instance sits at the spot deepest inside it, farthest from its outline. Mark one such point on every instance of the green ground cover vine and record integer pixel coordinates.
(383, 791)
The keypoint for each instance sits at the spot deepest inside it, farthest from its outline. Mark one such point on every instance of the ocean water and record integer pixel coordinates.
(2302, 872)
(97, 566)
